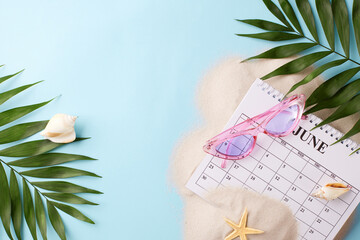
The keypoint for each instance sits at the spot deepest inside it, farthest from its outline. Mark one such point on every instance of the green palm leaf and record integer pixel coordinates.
(16, 209)
(333, 92)
(308, 16)
(350, 108)
(3, 79)
(330, 87)
(68, 198)
(40, 215)
(326, 18)
(354, 130)
(297, 65)
(9, 94)
(277, 12)
(289, 11)
(16, 113)
(35, 154)
(341, 17)
(272, 36)
(316, 73)
(21, 131)
(5, 201)
(55, 220)
(57, 172)
(284, 51)
(265, 25)
(72, 212)
(29, 211)
(356, 22)
(341, 97)
(48, 159)
(64, 187)
(31, 148)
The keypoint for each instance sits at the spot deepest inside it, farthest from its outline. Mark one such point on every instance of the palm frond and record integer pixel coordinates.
(26, 200)
(340, 91)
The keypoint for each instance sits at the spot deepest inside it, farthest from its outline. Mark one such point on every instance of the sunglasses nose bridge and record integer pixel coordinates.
(260, 129)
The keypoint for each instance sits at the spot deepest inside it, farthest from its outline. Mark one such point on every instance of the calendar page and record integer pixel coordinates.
(289, 169)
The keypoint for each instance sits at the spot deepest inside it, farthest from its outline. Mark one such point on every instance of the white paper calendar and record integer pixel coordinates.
(290, 168)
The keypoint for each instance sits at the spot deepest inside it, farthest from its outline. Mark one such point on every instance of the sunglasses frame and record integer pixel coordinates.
(247, 128)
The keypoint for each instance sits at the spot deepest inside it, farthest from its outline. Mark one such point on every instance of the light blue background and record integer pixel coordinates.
(129, 69)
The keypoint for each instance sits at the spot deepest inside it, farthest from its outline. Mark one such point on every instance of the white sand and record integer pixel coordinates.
(219, 93)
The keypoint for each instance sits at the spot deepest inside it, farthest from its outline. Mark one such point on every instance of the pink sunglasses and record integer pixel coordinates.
(238, 142)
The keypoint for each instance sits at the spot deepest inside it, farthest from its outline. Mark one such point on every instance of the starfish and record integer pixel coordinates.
(241, 230)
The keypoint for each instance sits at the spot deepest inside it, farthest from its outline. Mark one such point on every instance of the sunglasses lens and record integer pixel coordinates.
(282, 122)
(236, 146)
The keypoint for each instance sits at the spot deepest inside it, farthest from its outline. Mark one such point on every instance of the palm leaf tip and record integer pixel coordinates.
(72, 212)
(354, 130)
(355, 151)
(5, 96)
(13, 114)
(3, 79)
(82, 138)
(345, 110)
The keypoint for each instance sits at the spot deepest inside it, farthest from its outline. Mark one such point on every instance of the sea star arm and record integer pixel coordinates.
(232, 235)
(243, 219)
(233, 225)
(243, 237)
(252, 231)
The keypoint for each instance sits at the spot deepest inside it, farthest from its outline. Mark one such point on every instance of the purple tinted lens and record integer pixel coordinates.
(236, 146)
(282, 122)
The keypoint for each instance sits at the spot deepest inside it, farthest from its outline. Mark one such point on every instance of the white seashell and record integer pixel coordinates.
(60, 128)
(331, 191)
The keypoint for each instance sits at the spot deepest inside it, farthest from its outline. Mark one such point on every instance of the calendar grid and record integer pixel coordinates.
(294, 188)
(227, 172)
(317, 215)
